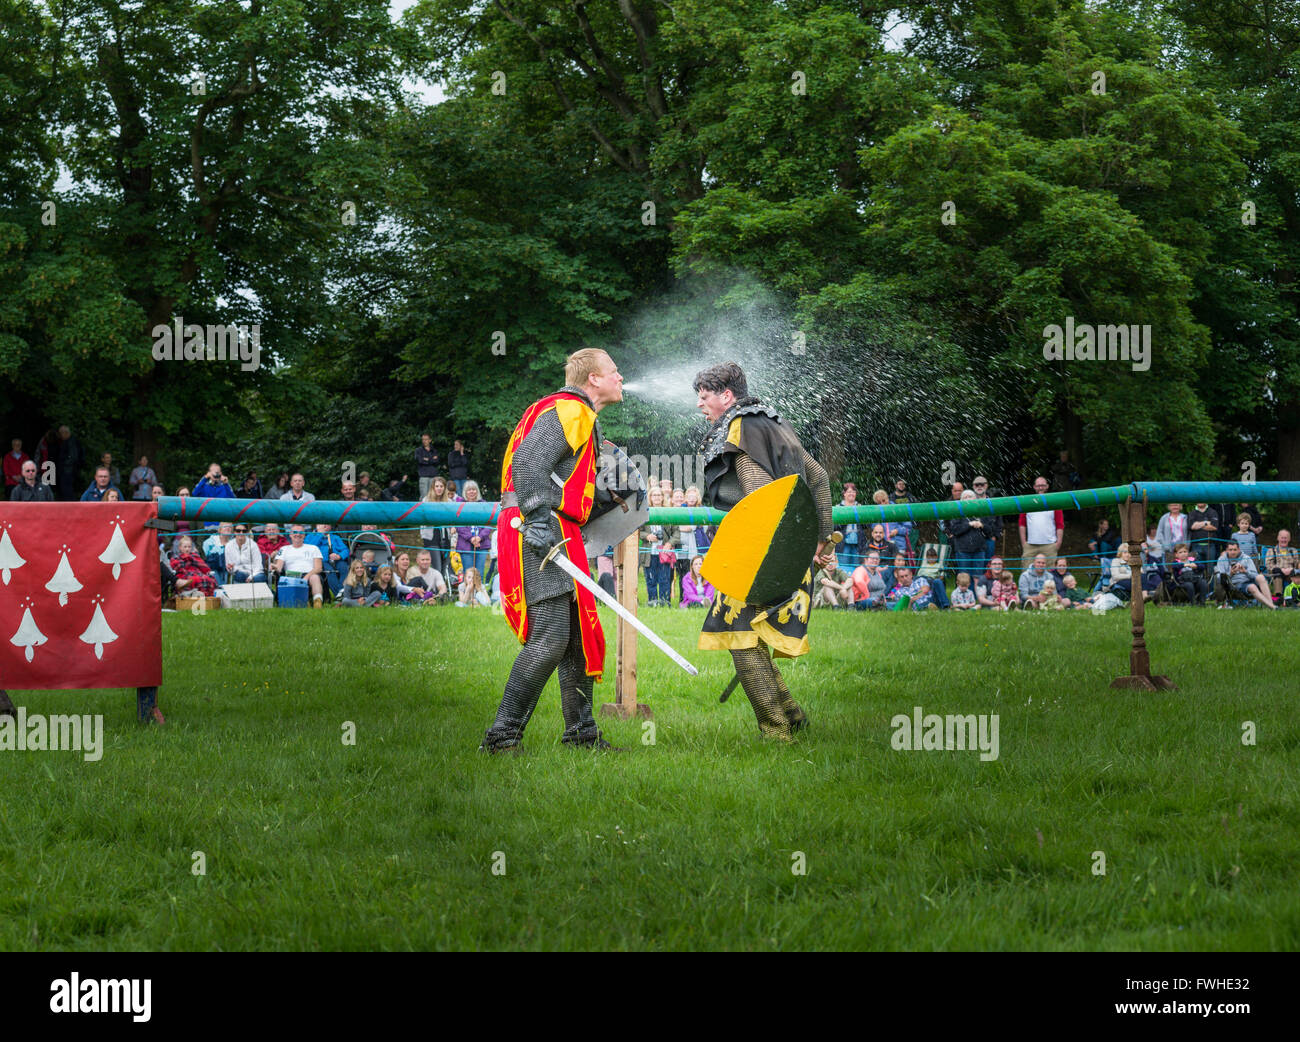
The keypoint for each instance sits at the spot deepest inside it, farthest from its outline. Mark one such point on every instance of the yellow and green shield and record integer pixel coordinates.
(765, 544)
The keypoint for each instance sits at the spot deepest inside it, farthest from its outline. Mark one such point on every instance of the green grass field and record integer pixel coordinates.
(686, 843)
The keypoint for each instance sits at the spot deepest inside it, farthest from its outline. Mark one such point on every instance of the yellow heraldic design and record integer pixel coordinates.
(577, 419)
(799, 604)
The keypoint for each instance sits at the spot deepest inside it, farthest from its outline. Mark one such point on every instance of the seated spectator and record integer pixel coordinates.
(963, 597)
(193, 576)
(1006, 596)
(214, 484)
(869, 584)
(297, 492)
(834, 586)
(384, 586)
(1051, 600)
(933, 571)
(696, 590)
(243, 558)
(879, 544)
(1074, 596)
(889, 571)
(424, 576)
(472, 591)
(98, 487)
(1059, 573)
(1236, 573)
(28, 489)
(984, 583)
(271, 540)
(1244, 537)
(214, 550)
(142, 480)
(1153, 566)
(334, 556)
(855, 536)
(355, 592)
(910, 592)
(301, 559)
(1105, 542)
(1281, 563)
(1032, 581)
(899, 533)
(1121, 575)
(1188, 574)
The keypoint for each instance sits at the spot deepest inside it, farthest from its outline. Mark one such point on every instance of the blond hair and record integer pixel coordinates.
(582, 364)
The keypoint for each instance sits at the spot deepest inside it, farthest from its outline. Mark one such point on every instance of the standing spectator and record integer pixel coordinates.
(270, 541)
(1235, 571)
(334, 556)
(251, 488)
(879, 544)
(1173, 528)
(28, 489)
(243, 558)
(392, 492)
(458, 463)
(434, 538)
(98, 487)
(142, 479)
(992, 525)
(1188, 574)
(299, 558)
(297, 492)
(214, 484)
(855, 538)
(1281, 562)
(1204, 524)
(1245, 538)
(365, 490)
(687, 549)
(834, 586)
(868, 584)
(1256, 522)
(901, 495)
(1032, 581)
(426, 463)
(968, 540)
(67, 464)
(1040, 530)
(472, 540)
(697, 591)
(703, 533)
(1227, 515)
(898, 533)
(1064, 476)
(658, 572)
(278, 487)
(14, 460)
(114, 475)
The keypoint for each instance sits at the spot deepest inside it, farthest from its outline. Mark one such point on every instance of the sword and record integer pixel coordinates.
(579, 576)
(835, 540)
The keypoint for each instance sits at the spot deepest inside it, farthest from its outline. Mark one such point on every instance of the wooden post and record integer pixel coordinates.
(1133, 529)
(625, 572)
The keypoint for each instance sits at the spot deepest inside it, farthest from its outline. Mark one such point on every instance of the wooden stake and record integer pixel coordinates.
(625, 572)
(1133, 529)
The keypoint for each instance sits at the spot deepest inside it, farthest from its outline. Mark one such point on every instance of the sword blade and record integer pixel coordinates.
(579, 576)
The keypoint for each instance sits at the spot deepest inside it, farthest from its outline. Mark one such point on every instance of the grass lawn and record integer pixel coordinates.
(687, 843)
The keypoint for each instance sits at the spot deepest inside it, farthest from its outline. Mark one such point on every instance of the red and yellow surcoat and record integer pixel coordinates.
(578, 493)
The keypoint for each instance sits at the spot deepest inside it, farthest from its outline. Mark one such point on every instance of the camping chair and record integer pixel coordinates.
(942, 550)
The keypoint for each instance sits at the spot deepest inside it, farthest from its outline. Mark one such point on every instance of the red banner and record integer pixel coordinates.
(79, 596)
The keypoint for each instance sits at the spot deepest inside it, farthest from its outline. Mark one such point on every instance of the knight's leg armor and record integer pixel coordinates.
(548, 639)
(755, 671)
(576, 689)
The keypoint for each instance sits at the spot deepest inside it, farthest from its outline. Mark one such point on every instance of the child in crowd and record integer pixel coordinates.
(385, 585)
(368, 559)
(1074, 596)
(1005, 592)
(1189, 574)
(472, 591)
(963, 597)
(1051, 599)
(356, 587)
(1245, 538)
(1291, 593)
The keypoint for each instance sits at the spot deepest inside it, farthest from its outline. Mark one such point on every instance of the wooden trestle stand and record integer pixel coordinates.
(1133, 529)
(625, 579)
